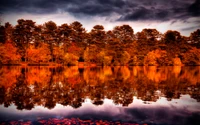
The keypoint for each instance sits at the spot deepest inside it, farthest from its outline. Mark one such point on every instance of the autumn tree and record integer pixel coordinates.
(115, 49)
(142, 48)
(9, 31)
(50, 31)
(195, 38)
(124, 33)
(78, 32)
(125, 58)
(64, 32)
(103, 58)
(6, 32)
(96, 44)
(97, 35)
(151, 36)
(174, 44)
(23, 35)
(79, 36)
(117, 53)
(118, 41)
(38, 35)
(172, 37)
(50, 36)
(90, 54)
(2, 34)
(70, 59)
(38, 54)
(58, 53)
(8, 53)
(156, 57)
(192, 57)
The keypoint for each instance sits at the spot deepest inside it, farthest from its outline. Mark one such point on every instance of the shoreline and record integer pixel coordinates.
(81, 65)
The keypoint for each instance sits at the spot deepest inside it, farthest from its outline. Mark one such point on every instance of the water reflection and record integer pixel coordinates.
(30, 87)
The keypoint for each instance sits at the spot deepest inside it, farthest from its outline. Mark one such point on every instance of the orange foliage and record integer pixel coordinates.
(153, 56)
(40, 54)
(8, 53)
(192, 57)
(177, 61)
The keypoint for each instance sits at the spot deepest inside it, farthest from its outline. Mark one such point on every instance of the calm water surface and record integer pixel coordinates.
(112, 95)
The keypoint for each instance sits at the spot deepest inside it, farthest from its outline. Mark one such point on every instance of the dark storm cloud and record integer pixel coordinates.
(127, 10)
(143, 13)
(194, 9)
(162, 10)
(91, 10)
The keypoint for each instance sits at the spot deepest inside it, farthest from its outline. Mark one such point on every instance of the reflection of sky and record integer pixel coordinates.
(181, 110)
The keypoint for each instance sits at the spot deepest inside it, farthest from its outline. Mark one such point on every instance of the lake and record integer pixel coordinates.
(100, 95)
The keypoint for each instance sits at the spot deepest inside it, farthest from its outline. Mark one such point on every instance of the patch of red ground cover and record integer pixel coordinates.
(71, 121)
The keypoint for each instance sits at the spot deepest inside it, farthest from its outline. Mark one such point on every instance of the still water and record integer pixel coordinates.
(100, 95)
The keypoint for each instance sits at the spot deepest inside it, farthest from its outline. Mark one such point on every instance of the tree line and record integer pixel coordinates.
(68, 44)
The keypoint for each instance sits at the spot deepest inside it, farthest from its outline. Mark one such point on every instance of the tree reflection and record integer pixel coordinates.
(27, 87)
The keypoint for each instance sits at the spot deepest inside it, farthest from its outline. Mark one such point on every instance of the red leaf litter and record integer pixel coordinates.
(66, 121)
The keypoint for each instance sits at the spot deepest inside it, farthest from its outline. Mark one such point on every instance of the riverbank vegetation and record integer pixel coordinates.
(70, 44)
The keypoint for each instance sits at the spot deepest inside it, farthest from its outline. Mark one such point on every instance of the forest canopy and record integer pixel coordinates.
(70, 44)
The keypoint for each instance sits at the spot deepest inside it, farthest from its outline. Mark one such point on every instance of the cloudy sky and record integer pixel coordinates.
(180, 15)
